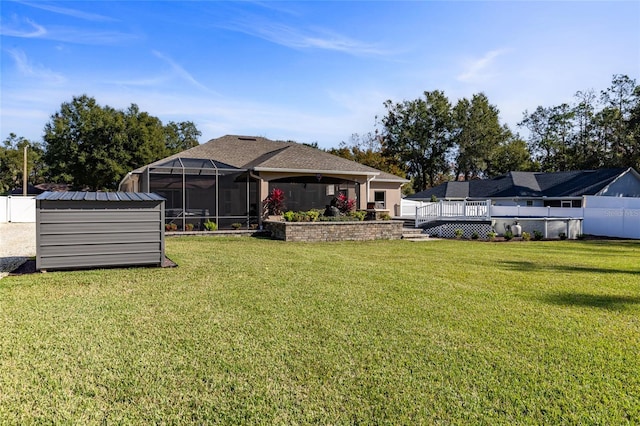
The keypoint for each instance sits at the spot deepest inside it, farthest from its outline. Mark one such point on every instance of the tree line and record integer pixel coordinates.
(90, 146)
(430, 140)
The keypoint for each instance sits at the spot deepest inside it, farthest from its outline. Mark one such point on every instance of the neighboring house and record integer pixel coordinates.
(536, 189)
(226, 179)
(555, 204)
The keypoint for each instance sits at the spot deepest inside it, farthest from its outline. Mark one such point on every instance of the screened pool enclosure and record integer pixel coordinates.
(198, 190)
(201, 190)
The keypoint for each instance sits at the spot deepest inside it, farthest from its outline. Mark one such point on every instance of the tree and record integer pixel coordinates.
(585, 153)
(620, 101)
(93, 147)
(549, 136)
(417, 133)
(86, 145)
(368, 150)
(12, 163)
(477, 134)
(144, 137)
(181, 136)
(511, 155)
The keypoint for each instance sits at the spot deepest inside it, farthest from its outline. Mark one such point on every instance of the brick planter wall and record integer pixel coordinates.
(335, 231)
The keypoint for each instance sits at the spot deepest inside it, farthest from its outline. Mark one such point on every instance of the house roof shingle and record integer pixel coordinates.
(527, 184)
(259, 153)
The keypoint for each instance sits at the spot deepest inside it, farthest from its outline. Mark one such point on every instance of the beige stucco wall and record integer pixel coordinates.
(393, 194)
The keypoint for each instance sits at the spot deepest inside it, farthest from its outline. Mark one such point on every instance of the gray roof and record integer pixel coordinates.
(526, 185)
(261, 154)
(99, 196)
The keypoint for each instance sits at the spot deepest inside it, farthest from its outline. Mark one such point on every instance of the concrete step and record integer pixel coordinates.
(414, 234)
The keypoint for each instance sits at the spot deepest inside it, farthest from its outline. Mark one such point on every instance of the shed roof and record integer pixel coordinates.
(99, 196)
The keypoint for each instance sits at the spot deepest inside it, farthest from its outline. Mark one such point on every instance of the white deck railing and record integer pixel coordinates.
(460, 210)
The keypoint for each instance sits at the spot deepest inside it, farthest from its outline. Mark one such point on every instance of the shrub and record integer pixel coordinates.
(508, 235)
(562, 236)
(188, 227)
(491, 235)
(385, 216)
(359, 215)
(537, 235)
(526, 236)
(274, 203)
(345, 204)
(210, 226)
(580, 236)
(434, 199)
(475, 236)
(236, 225)
(458, 233)
(313, 215)
(169, 227)
(308, 216)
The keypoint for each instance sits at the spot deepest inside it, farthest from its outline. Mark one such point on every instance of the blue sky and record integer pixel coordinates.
(304, 71)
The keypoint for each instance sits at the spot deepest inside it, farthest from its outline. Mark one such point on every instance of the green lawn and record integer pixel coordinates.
(258, 331)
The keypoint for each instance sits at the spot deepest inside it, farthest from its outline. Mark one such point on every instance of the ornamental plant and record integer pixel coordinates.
(345, 204)
(210, 226)
(274, 203)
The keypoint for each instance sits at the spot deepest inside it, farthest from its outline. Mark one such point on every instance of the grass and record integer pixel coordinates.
(388, 332)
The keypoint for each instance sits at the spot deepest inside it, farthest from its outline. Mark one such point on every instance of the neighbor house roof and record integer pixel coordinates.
(527, 185)
(261, 154)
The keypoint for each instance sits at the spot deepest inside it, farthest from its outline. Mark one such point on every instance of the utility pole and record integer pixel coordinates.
(24, 173)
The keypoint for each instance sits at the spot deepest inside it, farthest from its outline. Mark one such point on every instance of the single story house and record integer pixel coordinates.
(558, 205)
(226, 179)
(537, 189)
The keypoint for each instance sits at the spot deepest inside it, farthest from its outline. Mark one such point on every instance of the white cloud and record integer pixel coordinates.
(22, 28)
(70, 12)
(478, 69)
(35, 71)
(26, 28)
(182, 73)
(288, 36)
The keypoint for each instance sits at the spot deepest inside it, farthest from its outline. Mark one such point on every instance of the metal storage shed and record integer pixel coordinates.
(95, 229)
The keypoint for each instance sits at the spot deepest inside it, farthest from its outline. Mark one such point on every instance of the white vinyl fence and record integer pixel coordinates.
(17, 209)
(612, 217)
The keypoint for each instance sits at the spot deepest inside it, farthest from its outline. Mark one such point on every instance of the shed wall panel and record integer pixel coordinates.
(98, 249)
(66, 262)
(105, 238)
(100, 227)
(74, 216)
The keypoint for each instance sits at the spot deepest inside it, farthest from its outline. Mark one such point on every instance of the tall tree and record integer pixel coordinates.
(12, 163)
(144, 137)
(368, 150)
(477, 134)
(619, 101)
(549, 136)
(181, 136)
(86, 145)
(91, 146)
(511, 154)
(585, 154)
(418, 134)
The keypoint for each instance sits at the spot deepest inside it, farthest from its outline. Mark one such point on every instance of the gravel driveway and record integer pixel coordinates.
(17, 244)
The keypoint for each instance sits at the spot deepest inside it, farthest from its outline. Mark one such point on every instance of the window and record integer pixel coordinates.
(529, 203)
(379, 198)
(565, 204)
